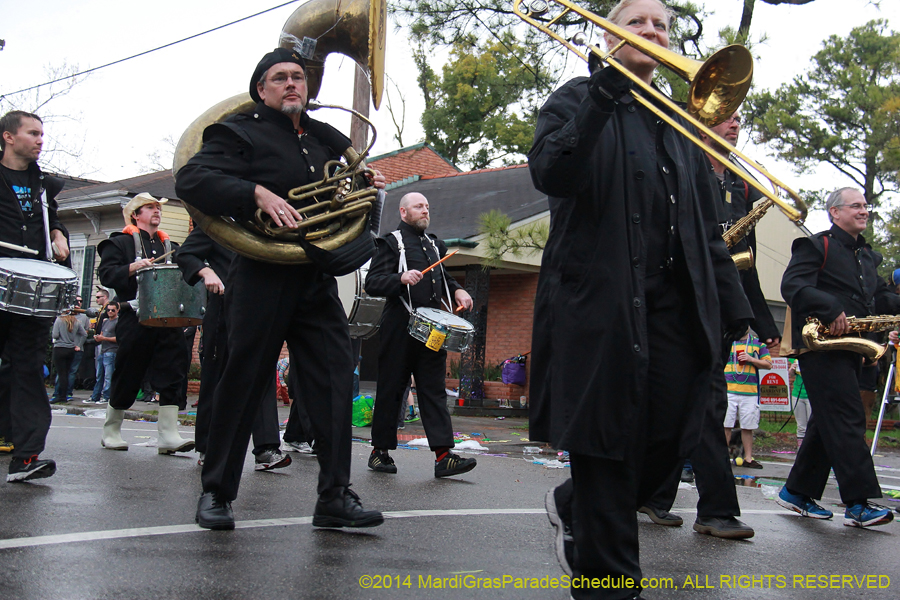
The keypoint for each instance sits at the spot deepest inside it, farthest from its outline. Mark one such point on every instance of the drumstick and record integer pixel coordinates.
(159, 258)
(18, 248)
(439, 262)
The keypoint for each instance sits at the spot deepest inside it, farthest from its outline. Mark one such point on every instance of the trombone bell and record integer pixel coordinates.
(720, 84)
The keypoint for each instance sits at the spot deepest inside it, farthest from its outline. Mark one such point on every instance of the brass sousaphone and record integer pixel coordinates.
(335, 210)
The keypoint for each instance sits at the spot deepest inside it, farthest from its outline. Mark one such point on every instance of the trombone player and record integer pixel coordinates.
(251, 161)
(635, 285)
(832, 275)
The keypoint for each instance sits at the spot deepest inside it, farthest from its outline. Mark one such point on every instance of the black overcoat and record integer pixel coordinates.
(844, 281)
(590, 362)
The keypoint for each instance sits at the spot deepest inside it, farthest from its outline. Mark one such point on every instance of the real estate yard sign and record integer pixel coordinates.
(773, 387)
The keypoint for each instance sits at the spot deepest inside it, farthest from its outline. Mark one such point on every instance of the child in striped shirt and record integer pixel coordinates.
(747, 355)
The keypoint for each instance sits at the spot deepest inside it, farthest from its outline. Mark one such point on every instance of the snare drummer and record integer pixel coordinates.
(22, 223)
(397, 275)
(160, 352)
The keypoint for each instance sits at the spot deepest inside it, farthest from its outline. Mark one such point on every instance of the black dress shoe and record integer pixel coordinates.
(345, 511)
(661, 516)
(728, 528)
(214, 513)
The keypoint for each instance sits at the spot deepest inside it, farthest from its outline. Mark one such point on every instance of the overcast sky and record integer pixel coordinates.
(123, 113)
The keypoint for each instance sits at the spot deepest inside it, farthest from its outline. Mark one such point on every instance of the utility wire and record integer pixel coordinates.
(121, 60)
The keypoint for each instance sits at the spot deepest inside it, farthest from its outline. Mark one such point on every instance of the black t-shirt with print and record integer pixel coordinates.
(19, 182)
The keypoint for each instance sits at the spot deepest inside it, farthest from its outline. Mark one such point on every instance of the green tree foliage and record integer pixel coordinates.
(481, 110)
(442, 23)
(500, 240)
(840, 111)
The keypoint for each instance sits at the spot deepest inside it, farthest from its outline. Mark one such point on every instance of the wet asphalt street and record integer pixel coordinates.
(121, 525)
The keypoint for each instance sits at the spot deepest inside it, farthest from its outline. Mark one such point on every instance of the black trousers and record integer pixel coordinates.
(607, 493)
(299, 425)
(158, 354)
(62, 362)
(215, 344)
(23, 398)
(836, 429)
(710, 461)
(266, 306)
(400, 356)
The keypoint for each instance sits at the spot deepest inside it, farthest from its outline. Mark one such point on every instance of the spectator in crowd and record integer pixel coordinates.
(108, 347)
(747, 355)
(68, 337)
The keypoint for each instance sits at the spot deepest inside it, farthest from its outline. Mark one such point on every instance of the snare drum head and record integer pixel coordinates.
(36, 268)
(442, 316)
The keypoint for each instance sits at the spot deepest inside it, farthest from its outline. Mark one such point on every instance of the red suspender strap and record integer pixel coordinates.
(824, 241)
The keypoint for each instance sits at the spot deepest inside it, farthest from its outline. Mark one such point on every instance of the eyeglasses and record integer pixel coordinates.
(281, 78)
(858, 206)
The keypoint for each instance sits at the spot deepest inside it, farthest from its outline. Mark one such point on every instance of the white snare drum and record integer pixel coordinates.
(459, 331)
(363, 311)
(36, 287)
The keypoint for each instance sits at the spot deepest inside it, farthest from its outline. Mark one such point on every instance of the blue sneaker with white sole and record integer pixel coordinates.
(867, 515)
(804, 505)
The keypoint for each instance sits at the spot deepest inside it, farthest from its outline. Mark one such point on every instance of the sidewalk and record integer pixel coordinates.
(500, 435)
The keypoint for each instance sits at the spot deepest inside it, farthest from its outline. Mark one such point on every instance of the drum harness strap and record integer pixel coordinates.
(139, 249)
(402, 267)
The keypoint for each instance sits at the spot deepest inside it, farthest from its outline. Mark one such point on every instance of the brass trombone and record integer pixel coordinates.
(718, 87)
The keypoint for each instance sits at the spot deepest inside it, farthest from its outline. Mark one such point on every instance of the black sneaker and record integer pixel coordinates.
(728, 528)
(661, 516)
(565, 543)
(271, 459)
(382, 462)
(25, 469)
(453, 464)
(214, 513)
(345, 511)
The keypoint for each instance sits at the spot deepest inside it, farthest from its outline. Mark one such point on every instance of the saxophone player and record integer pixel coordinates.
(832, 275)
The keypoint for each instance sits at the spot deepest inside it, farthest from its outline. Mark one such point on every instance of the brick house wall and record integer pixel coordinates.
(509, 324)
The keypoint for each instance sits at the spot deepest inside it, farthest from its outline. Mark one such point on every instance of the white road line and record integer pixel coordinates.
(115, 534)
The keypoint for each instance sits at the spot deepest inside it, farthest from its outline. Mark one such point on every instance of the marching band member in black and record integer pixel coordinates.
(718, 508)
(202, 258)
(635, 285)
(249, 162)
(23, 190)
(396, 273)
(157, 352)
(833, 275)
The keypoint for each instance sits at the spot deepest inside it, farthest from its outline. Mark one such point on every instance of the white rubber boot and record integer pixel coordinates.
(112, 430)
(169, 440)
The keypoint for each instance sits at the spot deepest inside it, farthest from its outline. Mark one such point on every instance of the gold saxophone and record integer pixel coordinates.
(737, 232)
(816, 336)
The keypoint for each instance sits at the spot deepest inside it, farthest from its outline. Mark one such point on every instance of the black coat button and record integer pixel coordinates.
(635, 218)
(637, 347)
(631, 108)
(637, 302)
(638, 174)
(635, 262)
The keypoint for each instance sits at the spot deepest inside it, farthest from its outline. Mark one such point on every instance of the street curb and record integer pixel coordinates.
(131, 415)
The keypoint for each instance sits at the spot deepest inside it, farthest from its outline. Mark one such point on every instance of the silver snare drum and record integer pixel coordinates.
(36, 287)
(363, 311)
(165, 300)
(459, 331)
